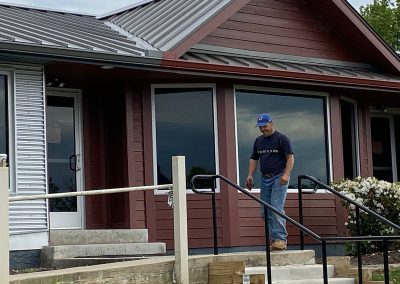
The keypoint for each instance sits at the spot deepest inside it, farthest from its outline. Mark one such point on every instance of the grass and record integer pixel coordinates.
(394, 275)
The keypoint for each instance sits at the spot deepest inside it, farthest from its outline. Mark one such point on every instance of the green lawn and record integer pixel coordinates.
(394, 275)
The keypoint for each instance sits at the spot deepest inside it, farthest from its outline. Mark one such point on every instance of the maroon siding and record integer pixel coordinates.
(135, 155)
(95, 169)
(285, 27)
(319, 216)
(227, 163)
(200, 232)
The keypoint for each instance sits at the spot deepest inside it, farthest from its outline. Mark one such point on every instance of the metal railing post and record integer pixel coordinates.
(267, 248)
(301, 217)
(386, 262)
(214, 210)
(4, 225)
(180, 220)
(359, 252)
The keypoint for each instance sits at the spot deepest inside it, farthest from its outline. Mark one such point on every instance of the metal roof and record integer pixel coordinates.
(164, 24)
(286, 65)
(38, 27)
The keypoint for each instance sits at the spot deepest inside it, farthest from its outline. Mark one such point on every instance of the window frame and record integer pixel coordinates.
(154, 133)
(297, 93)
(10, 87)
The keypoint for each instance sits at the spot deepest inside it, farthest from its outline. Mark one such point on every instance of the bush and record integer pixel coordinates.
(381, 197)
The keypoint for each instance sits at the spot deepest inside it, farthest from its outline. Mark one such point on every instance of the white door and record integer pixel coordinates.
(64, 157)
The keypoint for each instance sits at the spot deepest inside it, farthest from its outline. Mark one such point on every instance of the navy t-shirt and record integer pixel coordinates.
(272, 152)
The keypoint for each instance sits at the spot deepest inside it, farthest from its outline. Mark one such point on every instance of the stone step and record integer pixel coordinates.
(316, 281)
(109, 236)
(52, 253)
(293, 272)
(86, 261)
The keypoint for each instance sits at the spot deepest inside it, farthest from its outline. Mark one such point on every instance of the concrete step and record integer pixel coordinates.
(86, 261)
(59, 252)
(109, 236)
(52, 253)
(316, 281)
(293, 272)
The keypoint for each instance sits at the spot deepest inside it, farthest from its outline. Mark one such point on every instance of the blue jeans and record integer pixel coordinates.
(274, 193)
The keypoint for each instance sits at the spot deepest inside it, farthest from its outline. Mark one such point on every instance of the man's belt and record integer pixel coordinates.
(270, 175)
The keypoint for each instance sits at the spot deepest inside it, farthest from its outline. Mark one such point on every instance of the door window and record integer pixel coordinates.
(61, 152)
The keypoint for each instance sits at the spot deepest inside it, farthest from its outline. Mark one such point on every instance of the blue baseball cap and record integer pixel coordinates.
(263, 119)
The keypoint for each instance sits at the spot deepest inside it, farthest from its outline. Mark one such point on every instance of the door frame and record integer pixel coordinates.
(393, 151)
(77, 95)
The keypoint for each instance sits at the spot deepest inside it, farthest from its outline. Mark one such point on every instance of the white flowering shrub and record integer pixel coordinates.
(381, 197)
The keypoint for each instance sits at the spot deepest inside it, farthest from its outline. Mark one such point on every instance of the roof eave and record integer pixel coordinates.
(261, 74)
(151, 58)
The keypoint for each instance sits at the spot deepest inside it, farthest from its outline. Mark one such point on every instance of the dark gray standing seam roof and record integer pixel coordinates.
(276, 64)
(164, 24)
(37, 27)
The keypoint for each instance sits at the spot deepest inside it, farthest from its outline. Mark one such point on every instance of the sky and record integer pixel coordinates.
(93, 7)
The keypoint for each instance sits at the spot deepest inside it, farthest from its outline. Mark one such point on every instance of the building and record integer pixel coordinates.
(93, 103)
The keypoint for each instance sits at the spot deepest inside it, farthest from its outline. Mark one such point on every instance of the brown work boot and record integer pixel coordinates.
(278, 245)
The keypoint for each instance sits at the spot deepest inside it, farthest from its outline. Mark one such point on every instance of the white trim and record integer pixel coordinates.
(77, 95)
(154, 134)
(393, 152)
(10, 87)
(283, 91)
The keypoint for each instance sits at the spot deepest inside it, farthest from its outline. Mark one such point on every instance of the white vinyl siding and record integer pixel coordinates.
(30, 150)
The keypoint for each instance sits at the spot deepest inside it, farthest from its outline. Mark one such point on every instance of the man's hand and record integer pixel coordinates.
(284, 179)
(249, 182)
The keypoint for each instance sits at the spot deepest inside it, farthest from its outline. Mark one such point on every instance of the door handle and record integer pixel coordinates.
(72, 159)
(77, 162)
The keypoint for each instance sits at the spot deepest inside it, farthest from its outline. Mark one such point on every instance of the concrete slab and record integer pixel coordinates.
(85, 237)
(154, 269)
(293, 272)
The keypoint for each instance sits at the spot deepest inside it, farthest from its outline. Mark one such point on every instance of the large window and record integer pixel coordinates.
(184, 125)
(4, 147)
(301, 118)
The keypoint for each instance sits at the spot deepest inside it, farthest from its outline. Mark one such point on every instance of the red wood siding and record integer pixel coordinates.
(95, 169)
(135, 155)
(284, 27)
(200, 232)
(323, 214)
(319, 216)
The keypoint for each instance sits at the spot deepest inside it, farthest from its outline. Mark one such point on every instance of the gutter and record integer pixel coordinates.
(294, 77)
(148, 58)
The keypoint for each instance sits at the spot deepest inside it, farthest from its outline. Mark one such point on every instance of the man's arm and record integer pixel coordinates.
(252, 170)
(288, 169)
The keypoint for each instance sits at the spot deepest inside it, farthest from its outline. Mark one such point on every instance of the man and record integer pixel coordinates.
(274, 151)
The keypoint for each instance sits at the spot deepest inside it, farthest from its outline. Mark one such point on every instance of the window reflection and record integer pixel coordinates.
(184, 126)
(300, 118)
(3, 117)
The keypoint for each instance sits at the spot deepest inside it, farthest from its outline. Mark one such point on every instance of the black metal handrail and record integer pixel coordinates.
(358, 207)
(300, 226)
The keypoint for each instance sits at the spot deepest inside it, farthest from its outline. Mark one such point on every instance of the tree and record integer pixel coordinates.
(384, 17)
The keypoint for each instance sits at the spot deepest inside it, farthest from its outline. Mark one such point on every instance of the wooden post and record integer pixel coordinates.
(4, 222)
(180, 220)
